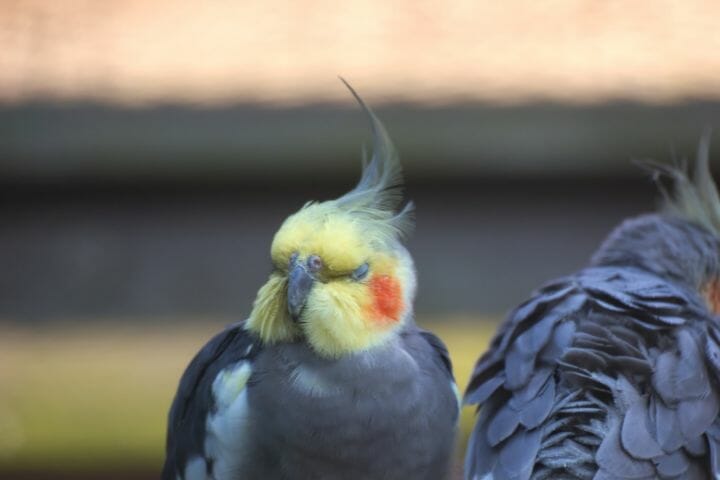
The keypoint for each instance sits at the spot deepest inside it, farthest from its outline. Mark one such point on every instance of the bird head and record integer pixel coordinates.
(342, 280)
(682, 241)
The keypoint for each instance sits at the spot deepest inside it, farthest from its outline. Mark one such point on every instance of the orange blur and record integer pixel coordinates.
(712, 295)
(387, 298)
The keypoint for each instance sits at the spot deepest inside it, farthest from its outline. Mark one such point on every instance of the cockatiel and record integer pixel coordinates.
(329, 377)
(613, 373)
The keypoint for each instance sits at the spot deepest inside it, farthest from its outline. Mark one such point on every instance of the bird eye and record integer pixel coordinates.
(314, 263)
(360, 272)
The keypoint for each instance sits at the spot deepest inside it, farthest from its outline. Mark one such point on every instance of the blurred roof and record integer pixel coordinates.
(134, 51)
(149, 149)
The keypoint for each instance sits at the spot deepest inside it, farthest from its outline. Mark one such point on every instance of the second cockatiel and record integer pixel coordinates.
(613, 373)
(329, 377)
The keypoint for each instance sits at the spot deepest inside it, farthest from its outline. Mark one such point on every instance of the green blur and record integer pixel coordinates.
(78, 398)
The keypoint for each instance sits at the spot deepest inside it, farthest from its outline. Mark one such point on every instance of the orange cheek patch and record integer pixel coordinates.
(712, 295)
(387, 303)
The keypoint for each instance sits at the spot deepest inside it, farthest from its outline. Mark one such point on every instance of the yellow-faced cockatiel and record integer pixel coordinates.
(329, 377)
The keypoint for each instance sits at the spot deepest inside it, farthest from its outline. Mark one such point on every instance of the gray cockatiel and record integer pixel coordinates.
(329, 377)
(612, 373)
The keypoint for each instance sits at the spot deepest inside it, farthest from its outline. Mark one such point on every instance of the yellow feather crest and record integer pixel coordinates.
(363, 226)
(379, 193)
(365, 218)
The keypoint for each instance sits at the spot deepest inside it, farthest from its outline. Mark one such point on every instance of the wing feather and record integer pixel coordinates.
(194, 399)
(608, 374)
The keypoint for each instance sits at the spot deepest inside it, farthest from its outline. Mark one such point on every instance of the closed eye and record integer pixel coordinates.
(360, 272)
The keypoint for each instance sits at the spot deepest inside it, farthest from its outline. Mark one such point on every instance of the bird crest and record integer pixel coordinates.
(339, 264)
(694, 194)
(373, 205)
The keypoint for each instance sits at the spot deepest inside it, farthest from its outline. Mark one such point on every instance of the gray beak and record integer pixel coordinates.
(300, 283)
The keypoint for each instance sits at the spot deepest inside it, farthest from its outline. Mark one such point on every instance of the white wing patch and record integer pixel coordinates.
(195, 469)
(230, 383)
(227, 429)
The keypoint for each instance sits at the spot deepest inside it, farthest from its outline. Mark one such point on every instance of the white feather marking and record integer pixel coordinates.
(195, 469)
(227, 430)
(458, 397)
(229, 383)
(311, 383)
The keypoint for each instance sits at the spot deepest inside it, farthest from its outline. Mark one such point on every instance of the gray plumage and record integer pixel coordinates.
(329, 378)
(194, 400)
(382, 414)
(612, 373)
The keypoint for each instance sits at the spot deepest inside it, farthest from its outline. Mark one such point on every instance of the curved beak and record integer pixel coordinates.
(300, 283)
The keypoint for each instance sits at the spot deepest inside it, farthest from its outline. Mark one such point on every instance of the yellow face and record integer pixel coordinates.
(335, 284)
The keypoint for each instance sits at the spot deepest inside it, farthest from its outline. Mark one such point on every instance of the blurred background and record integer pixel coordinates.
(149, 150)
